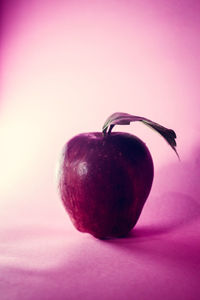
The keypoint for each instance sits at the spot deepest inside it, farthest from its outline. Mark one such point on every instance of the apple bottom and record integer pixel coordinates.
(106, 227)
(113, 212)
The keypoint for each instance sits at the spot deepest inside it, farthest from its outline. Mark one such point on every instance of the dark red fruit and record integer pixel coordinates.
(105, 179)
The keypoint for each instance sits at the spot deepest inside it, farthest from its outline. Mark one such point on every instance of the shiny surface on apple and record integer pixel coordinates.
(105, 181)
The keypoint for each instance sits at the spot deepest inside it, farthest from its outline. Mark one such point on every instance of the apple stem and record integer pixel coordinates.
(110, 129)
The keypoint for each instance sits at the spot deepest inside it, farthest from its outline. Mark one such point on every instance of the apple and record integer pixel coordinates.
(105, 177)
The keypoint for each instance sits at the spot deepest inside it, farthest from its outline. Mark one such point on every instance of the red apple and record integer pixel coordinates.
(105, 177)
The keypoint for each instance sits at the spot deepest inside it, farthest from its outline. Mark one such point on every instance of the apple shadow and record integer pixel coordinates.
(176, 211)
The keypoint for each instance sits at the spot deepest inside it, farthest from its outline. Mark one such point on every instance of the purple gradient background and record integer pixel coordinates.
(67, 65)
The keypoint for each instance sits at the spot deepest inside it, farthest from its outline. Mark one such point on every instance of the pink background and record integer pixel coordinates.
(66, 66)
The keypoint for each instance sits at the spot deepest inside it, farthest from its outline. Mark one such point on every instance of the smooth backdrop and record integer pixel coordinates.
(65, 66)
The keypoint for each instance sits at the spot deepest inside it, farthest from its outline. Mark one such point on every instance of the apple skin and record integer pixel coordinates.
(104, 181)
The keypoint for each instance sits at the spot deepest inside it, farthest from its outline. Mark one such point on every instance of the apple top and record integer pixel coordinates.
(120, 118)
